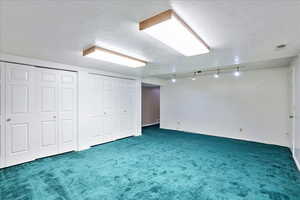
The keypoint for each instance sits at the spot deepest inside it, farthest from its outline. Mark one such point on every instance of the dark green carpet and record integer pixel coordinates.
(162, 165)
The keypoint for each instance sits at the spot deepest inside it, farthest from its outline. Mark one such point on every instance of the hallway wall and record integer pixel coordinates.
(150, 105)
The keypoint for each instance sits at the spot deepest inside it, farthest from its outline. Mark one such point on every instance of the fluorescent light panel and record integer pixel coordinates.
(113, 57)
(171, 30)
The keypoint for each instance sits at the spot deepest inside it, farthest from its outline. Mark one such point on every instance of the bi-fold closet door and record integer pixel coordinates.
(96, 111)
(127, 107)
(21, 130)
(112, 111)
(40, 113)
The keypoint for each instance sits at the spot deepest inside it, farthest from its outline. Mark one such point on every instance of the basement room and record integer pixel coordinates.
(149, 100)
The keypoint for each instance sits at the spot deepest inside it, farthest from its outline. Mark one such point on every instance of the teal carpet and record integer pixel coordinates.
(160, 165)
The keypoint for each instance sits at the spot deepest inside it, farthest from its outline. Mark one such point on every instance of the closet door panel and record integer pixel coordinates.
(108, 127)
(67, 131)
(124, 123)
(67, 111)
(47, 104)
(108, 108)
(116, 98)
(123, 105)
(21, 126)
(96, 110)
(131, 107)
(49, 135)
(128, 107)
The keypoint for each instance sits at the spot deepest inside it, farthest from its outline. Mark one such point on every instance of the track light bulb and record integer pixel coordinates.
(194, 76)
(237, 72)
(173, 78)
(217, 74)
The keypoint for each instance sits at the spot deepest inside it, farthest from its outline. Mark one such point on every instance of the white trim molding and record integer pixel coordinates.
(145, 125)
(297, 162)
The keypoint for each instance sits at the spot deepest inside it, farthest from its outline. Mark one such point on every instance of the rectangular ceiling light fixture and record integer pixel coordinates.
(170, 29)
(113, 57)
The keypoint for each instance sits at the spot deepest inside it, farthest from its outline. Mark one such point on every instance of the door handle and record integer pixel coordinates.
(54, 117)
(8, 119)
(291, 116)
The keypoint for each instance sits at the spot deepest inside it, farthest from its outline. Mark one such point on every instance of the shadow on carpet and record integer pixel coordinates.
(160, 165)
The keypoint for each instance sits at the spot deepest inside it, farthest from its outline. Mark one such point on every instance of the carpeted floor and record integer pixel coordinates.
(160, 165)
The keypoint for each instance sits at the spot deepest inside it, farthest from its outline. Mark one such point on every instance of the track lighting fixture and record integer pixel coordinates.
(237, 72)
(216, 73)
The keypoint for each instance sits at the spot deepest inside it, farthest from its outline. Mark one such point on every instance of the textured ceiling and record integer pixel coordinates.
(237, 31)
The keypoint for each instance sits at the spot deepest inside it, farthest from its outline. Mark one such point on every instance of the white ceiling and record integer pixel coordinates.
(238, 31)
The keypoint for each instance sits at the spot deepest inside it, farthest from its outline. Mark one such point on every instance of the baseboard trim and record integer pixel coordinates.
(150, 124)
(210, 133)
(297, 163)
(137, 134)
(83, 148)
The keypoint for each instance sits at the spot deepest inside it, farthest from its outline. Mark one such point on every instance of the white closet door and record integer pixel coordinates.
(131, 107)
(108, 108)
(96, 116)
(47, 105)
(67, 111)
(124, 121)
(21, 127)
(127, 108)
(116, 98)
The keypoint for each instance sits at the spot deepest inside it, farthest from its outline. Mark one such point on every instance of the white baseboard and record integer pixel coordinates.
(222, 135)
(150, 124)
(297, 162)
(83, 148)
(138, 134)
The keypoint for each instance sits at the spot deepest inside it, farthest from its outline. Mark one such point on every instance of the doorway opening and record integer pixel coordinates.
(150, 105)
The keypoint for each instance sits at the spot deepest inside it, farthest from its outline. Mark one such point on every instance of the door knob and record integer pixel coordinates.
(291, 116)
(8, 119)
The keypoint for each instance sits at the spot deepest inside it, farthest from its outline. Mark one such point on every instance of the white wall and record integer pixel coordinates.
(296, 135)
(150, 105)
(256, 102)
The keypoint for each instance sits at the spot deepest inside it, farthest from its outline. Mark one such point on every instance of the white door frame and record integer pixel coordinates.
(292, 113)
